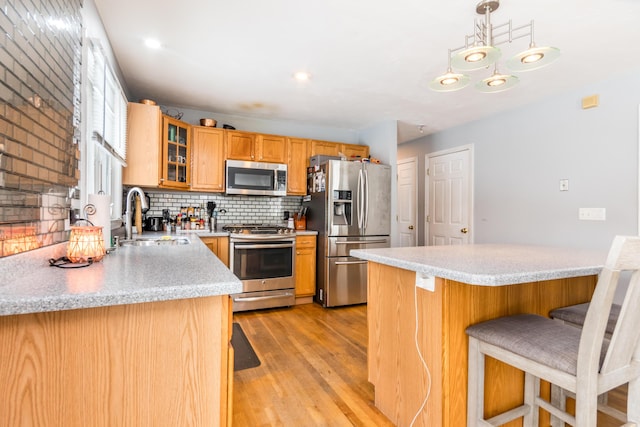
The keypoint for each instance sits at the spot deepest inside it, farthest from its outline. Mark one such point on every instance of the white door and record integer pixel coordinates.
(450, 200)
(408, 201)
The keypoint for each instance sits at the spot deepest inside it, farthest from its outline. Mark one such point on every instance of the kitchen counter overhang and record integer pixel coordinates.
(128, 275)
(490, 264)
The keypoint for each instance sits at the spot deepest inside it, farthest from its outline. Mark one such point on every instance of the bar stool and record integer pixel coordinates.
(574, 315)
(581, 361)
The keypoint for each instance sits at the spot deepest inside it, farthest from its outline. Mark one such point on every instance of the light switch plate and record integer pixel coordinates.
(564, 185)
(592, 214)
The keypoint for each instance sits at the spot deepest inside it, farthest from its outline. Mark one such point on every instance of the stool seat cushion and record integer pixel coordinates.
(537, 338)
(576, 314)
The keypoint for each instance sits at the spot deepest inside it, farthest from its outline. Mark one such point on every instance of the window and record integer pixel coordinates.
(104, 130)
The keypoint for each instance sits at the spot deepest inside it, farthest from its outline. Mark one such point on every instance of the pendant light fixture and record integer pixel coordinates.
(480, 51)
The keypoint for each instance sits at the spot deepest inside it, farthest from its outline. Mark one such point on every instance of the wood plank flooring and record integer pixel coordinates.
(313, 370)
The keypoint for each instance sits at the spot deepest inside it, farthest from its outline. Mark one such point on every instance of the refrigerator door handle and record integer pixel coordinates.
(365, 196)
(360, 242)
(350, 262)
(359, 199)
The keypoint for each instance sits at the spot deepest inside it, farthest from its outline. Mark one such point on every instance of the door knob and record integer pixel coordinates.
(411, 227)
(464, 230)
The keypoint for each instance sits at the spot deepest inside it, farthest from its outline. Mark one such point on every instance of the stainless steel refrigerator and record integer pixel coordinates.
(350, 207)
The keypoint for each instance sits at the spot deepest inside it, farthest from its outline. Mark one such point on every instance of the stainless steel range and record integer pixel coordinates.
(263, 257)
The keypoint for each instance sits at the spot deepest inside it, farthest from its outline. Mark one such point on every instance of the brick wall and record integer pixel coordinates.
(239, 209)
(40, 68)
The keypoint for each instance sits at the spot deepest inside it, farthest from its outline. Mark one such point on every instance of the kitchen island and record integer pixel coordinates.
(442, 290)
(140, 338)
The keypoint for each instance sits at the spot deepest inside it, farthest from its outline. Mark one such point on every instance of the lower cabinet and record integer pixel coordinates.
(305, 266)
(161, 364)
(219, 246)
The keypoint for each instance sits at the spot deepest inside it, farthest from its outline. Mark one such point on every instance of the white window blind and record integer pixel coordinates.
(108, 105)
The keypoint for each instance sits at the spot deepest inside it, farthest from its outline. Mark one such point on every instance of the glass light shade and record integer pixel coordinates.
(85, 243)
(475, 58)
(449, 81)
(533, 58)
(497, 83)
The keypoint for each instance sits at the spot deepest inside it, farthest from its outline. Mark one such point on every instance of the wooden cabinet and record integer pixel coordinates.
(219, 246)
(328, 148)
(144, 152)
(324, 148)
(297, 160)
(158, 149)
(305, 266)
(256, 147)
(271, 148)
(353, 151)
(162, 363)
(207, 153)
(176, 153)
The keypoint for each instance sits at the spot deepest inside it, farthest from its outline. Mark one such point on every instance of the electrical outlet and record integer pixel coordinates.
(564, 185)
(592, 214)
(425, 282)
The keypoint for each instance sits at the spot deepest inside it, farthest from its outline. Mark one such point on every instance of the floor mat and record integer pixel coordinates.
(244, 355)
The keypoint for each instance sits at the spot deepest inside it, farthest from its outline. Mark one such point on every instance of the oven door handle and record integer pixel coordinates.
(251, 299)
(264, 246)
(350, 262)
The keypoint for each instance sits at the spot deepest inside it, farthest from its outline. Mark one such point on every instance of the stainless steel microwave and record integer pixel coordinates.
(256, 178)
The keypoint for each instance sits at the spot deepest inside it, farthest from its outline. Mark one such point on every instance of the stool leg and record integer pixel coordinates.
(633, 402)
(475, 393)
(559, 400)
(531, 391)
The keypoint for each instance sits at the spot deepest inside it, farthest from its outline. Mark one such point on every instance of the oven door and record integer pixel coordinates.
(263, 265)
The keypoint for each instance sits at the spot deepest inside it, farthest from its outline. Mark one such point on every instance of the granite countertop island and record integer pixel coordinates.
(130, 274)
(426, 297)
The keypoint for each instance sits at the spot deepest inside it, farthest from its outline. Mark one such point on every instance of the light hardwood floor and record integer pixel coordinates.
(314, 370)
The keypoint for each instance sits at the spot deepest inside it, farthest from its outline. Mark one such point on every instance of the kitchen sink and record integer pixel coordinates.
(160, 241)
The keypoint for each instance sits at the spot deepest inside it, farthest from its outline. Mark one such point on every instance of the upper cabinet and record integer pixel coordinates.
(328, 148)
(256, 147)
(158, 149)
(207, 152)
(353, 151)
(176, 153)
(324, 148)
(298, 156)
(144, 152)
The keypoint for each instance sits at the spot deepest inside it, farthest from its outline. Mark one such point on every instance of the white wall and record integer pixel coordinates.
(382, 140)
(521, 155)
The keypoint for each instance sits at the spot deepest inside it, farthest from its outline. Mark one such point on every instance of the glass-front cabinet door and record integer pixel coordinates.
(176, 153)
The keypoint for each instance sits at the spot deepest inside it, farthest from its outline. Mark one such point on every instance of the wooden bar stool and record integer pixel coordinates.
(581, 361)
(574, 315)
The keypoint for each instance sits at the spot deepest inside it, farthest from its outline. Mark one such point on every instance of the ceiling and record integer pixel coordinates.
(370, 61)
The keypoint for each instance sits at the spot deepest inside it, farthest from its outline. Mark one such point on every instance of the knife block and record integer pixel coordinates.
(300, 223)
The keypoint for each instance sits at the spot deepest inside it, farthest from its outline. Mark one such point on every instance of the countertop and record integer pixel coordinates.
(130, 274)
(222, 233)
(490, 264)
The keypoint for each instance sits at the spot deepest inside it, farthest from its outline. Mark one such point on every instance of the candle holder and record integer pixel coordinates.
(86, 244)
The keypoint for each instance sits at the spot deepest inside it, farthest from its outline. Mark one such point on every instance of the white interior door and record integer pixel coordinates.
(450, 197)
(408, 201)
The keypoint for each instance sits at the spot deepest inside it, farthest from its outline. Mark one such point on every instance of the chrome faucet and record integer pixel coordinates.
(128, 232)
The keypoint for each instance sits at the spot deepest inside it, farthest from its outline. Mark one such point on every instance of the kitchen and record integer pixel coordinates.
(574, 142)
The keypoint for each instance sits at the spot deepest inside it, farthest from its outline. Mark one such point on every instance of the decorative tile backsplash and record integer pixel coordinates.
(231, 209)
(40, 68)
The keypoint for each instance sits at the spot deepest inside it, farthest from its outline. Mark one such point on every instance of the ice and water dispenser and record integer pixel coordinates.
(342, 210)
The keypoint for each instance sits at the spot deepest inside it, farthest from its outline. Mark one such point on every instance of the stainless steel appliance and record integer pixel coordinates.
(263, 257)
(256, 178)
(350, 210)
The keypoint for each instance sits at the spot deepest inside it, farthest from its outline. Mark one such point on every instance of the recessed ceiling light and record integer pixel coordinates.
(152, 43)
(302, 76)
